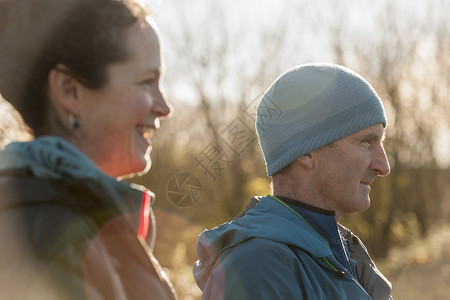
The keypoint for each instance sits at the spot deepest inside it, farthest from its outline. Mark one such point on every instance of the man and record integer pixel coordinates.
(321, 130)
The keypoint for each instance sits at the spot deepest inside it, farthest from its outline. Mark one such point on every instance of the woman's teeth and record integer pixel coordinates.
(146, 132)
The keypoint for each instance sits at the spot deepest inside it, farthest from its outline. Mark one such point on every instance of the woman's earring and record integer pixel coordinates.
(74, 122)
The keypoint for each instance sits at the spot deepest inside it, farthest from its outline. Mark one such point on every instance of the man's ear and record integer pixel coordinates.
(63, 89)
(307, 160)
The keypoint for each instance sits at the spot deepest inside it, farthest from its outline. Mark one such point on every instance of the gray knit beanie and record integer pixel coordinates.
(311, 106)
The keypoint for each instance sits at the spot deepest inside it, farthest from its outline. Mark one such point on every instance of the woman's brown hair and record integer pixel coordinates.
(36, 35)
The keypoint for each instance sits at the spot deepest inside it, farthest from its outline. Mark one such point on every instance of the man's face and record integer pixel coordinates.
(346, 167)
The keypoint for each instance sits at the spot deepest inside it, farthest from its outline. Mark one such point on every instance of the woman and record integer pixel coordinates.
(84, 75)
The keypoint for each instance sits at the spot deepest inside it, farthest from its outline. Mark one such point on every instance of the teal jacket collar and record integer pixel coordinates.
(51, 157)
(265, 221)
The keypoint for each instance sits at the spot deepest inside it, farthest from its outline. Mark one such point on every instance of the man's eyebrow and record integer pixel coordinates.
(372, 136)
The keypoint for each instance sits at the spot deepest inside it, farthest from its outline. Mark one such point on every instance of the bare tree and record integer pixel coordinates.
(226, 66)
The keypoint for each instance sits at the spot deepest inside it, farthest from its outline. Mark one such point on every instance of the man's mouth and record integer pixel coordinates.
(367, 181)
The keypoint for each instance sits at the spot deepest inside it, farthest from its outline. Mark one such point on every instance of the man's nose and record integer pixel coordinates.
(380, 163)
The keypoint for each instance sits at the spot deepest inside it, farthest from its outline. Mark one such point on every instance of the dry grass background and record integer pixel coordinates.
(422, 269)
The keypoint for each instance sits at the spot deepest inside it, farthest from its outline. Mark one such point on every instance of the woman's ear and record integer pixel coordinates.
(63, 89)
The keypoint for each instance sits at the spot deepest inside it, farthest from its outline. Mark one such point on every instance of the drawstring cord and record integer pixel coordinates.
(144, 221)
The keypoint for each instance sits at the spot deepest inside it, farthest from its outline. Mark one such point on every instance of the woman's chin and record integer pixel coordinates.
(145, 166)
(146, 169)
(139, 168)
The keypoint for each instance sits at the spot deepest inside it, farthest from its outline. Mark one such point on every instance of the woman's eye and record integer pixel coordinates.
(148, 81)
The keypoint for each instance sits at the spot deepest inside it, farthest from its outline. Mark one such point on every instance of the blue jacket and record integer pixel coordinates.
(271, 253)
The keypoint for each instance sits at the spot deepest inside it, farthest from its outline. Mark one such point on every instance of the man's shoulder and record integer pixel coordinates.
(257, 268)
(257, 251)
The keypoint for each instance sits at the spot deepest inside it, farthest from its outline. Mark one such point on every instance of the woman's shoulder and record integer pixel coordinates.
(44, 210)
(20, 188)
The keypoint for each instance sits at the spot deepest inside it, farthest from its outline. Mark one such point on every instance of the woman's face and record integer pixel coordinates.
(118, 120)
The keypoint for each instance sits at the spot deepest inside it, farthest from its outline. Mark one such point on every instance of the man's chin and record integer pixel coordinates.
(365, 204)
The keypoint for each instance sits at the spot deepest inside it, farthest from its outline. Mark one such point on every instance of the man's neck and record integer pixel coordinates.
(305, 196)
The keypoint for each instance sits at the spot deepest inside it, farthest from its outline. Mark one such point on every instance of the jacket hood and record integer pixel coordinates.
(48, 157)
(269, 220)
(51, 157)
(56, 160)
